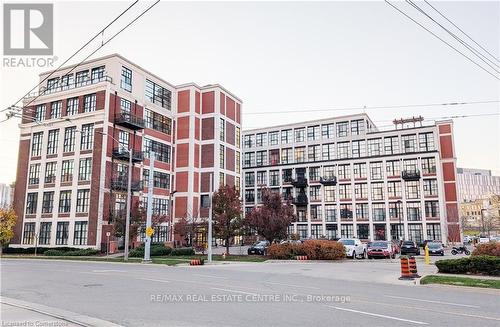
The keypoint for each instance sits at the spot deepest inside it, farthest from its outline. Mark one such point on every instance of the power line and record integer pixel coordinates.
(479, 45)
(436, 36)
(375, 107)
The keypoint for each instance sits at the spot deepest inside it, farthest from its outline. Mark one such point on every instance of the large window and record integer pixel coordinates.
(287, 155)
(313, 133)
(36, 144)
(434, 232)
(430, 187)
(29, 233)
(34, 174)
(237, 136)
(376, 170)
(374, 147)
(261, 158)
(274, 178)
(62, 233)
(362, 212)
(67, 81)
(346, 212)
(377, 191)
(328, 131)
(237, 162)
(53, 141)
(314, 173)
(300, 135)
(158, 94)
(328, 151)
(80, 235)
(330, 213)
(344, 171)
(126, 80)
(359, 170)
(249, 196)
(393, 168)
(85, 169)
(249, 141)
(412, 189)
(378, 211)
(413, 211)
(40, 112)
(345, 191)
(160, 179)
(222, 157)
(50, 172)
(87, 137)
(69, 139)
(65, 201)
(249, 159)
(82, 200)
(396, 210)
(428, 165)
(391, 145)
(300, 154)
(262, 178)
(432, 209)
(55, 109)
(426, 141)
(261, 139)
(97, 74)
(161, 150)
(31, 203)
(67, 171)
(47, 202)
(409, 143)
(89, 103)
(222, 130)
(313, 153)
(343, 150)
(361, 191)
(394, 189)
(81, 78)
(315, 193)
(157, 121)
(286, 136)
(249, 179)
(329, 191)
(346, 231)
(342, 129)
(44, 237)
(358, 149)
(72, 106)
(316, 213)
(357, 126)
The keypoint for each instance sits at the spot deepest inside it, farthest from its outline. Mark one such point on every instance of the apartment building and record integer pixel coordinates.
(345, 178)
(79, 131)
(475, 184)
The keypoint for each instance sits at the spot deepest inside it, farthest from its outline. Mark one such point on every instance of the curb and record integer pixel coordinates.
(71, 317)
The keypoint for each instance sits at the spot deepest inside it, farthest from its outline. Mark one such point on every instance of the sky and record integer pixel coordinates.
(282, 56)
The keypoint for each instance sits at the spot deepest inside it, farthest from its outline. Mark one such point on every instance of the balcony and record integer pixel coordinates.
(59, 87)
(299, 182)
(123, 154)
(121, 184)
(130, 121)
(410, 175)
(300, 200)
(332, 180)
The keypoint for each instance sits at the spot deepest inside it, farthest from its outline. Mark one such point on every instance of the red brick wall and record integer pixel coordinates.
(222, 104)
(230, 133)
(238, 113)
(20, 189)
(95, 189)
(446, 146)
(197, 102)
(207, 100)
(230, 159)
(180, 206)
(448, 171)
(205, 182)
(197, 128)
(197, 155)
(182, 155)
(207, 155)
(229, 180)
(181, 181)
(183, 101)
(182, 128)
(207, 128)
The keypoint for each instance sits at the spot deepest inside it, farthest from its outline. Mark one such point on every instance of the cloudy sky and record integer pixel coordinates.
(282, 56)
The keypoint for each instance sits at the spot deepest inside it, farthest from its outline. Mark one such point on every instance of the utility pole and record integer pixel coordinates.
(170, 236)
(209, 238)
(129, 202)
(149, 213)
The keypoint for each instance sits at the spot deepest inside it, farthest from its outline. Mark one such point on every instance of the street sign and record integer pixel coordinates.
(149, 231)
(108, 234)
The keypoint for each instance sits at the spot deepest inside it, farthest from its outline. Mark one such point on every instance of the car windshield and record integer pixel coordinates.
(434, 245)
(408, 243)
(378, 244)
(347, 242)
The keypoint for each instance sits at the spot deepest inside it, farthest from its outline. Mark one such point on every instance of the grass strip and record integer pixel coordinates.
(461, 281)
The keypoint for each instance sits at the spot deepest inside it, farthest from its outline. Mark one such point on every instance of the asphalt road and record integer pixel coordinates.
(351, 293)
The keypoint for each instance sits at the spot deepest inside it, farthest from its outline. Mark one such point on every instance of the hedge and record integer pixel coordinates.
(39, 250)
(156, 250)
(313, 249)
(71, 253)
(479, 264)
(182, 251)
(490, 248)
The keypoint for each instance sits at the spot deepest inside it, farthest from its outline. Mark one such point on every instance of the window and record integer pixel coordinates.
(345, 191)
(222, 157)
(376, 170)
(329, 191)
(157, 121)
(261, 139)
(413, 211)
(36, 144)
(29, 233)
(428, 165)
(72, 107)
(237, 162)
(249, 159)
(374, 147)
(126, 81)
(328, 151)
(342, 129)
(343, 150)
(65, 201)
(249, 196)
(378, 211)
(431, 209)
(434, 232)
(330, 213)
(237, 135)
(430, 187)
(85, 169)
(44, 237)
(300, 154)
(81, 78)
(377, 191)
(89, 103)
(249, 141)
(393, 168)
(160, 179)
(249, 179)
(396, 211)
(286, 136)
(346, 211)
(53, 140)
(82, 200)
(158, 94)
(161, 150)
(357, 126)
(410, 165)
(40, 112)
(286, 156)
(50, 172)
(221, 179)
(261, 158)
(31, 203)
(394, 189)
(55, 109)
(52, 84)
(80, 235)
(391, 145)
(344, 171)
(358, 149)
(67, 81)
(409, 143)
(316, 214)
(426, 141)
(362, 211)
(313, 133)
(359, 170)
(274, 178)
(67, 171)
(47, 202)
(69, 139)
(346, 231)
(327, 131)
(361, 191)
(412, 190)
(313, 153)
(273, 138)
(62, 233)
(363, 231)
(315, 193)
(34, 174)
(222, 130)
(87, 137)
(314, 173)
(97, 74)
(300, 134)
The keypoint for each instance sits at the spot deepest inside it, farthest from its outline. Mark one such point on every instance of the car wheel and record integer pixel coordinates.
(370, 257)
(364, 254)
(354, 255)
(393, 256)
(442, 254)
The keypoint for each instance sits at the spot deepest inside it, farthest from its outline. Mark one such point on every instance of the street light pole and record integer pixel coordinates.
(170, 216)
(209, 240)
(149, 214)
(129, 202)
(398, 204)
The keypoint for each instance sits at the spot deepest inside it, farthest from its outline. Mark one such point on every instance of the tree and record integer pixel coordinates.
(8, 219)
(272, 219)
(188, 228)
(226, 209)
(136, 219)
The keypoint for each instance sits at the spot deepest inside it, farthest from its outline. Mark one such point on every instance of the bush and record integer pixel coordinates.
(285, 251)
(137, 252)
(480, 264)
(313, 249)
(71, 252)
(490, 248)
(156, 250)
(182, 251)
(39, 250)
(54, 253)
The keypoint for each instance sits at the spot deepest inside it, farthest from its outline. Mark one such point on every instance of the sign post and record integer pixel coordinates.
(108, 234)
(209, 237)
(149, 214)
(427, 256)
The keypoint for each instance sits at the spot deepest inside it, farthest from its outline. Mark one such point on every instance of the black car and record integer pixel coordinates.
(410, 247)
(258, 248)
(435, 248)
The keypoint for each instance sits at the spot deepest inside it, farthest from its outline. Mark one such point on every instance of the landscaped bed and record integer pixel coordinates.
(461, 281)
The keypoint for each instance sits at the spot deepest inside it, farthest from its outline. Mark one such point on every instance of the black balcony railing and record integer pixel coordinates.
(123, 154)
(130, 121)
(299, 182)
(331, 180)
(287, 179)
(300, 200)
(121, 184)
(410, 175)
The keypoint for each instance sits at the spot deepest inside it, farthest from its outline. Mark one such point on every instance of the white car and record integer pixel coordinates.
(354, 248)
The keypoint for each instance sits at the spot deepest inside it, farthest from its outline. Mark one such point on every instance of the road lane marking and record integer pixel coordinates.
(106, 270)
(378, 315)
(432, 301)
(211, 276)
(155, 280)
(292, 285)
(234, 291)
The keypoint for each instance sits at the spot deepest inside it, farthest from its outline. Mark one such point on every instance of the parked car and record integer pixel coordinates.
(258, 248)
(396, 246)
(380, 249)
(291, 242)
(410, 247)
(435, 248)
(354, 248)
